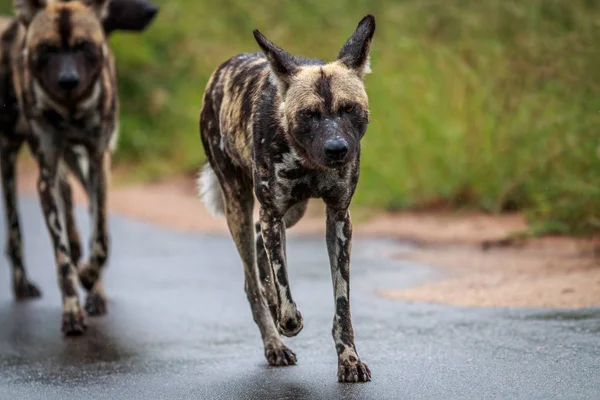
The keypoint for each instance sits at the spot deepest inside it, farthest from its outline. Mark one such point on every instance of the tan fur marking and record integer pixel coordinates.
(85, 24)
(231, 115)
(301, 93)
(345, 87)
(43, 29)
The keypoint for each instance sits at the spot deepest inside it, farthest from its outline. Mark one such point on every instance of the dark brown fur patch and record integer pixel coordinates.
(65, 27)
(323, 89)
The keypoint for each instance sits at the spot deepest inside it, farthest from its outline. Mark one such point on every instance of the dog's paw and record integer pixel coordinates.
(88, 275)
(95, 304)
(73, 323)
(353, 371)
(279, 355)
(291, 326)
(24, 290)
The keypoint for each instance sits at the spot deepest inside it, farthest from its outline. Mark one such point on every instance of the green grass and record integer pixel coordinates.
(478, 104)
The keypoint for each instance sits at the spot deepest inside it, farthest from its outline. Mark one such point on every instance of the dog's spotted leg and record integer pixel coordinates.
(289, 319)
(22, 287)
(292, 216)
(73, 321)
(90, 273)
(339, 243)
(266, 274)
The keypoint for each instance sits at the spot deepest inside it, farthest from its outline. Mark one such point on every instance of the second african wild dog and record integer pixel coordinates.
(287, 129)
(61, 84)
(123, 15)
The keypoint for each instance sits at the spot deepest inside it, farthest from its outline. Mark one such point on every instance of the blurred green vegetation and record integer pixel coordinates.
(483, 104)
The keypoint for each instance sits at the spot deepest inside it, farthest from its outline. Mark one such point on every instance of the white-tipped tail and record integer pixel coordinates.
(210, 191)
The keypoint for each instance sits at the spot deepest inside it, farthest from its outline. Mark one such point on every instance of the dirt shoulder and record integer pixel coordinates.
(547, 272)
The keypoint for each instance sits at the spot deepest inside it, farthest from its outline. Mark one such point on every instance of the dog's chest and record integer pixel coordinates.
(75, 128)
(290, 182)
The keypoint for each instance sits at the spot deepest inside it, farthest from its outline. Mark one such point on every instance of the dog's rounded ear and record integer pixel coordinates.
(355, 53)
(100, 7)
(26, 10)
(129, 15)
(283, 64)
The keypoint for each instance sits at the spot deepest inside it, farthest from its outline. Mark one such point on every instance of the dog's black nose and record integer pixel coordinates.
(336, 149)
(68, 82)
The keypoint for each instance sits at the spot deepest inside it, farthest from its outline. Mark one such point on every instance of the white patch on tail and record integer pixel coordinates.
(210, 191)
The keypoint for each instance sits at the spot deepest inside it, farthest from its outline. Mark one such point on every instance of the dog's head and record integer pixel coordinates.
(324, 106)
(65, 45)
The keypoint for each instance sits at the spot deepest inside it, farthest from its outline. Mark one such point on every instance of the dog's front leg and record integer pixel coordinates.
(339, 243)
(272, 227)
(22, 287)
(47, 154)
(90, 273)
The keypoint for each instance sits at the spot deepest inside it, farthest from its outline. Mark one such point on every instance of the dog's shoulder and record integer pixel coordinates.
(233, 93)
(12, 35)
(9, 28)
(12, 40)
(239, 76)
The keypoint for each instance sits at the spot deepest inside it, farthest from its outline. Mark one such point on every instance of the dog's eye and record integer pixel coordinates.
(82, 46)
(348, 109)
(86, 48)
(308, 114)
(44, 51)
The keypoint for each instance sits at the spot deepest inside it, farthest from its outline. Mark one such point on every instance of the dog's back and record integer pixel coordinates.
(10, 33)
(4, 22)
(230, 104)
(6, 25)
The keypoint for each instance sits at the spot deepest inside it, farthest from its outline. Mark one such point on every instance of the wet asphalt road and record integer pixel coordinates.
(179, 327)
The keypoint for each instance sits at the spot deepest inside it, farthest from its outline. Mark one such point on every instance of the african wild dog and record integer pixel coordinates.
(287, 129)
(128, 15)
(58, 88)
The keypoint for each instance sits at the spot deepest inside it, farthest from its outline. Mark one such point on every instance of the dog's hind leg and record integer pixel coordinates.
(78, 163)
(77, 160)
(295, 214)
(235, 190)
(22, 287)
(72, 233)
(92, 174)
(239, 202)
(292, 216)
(90, 273)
